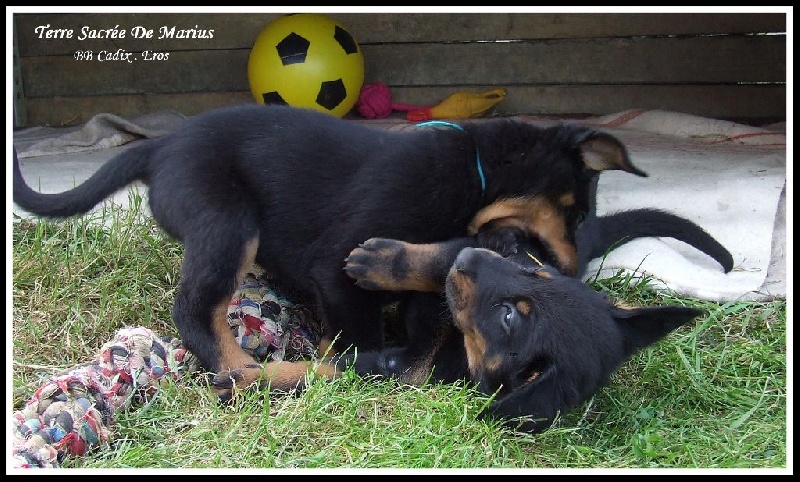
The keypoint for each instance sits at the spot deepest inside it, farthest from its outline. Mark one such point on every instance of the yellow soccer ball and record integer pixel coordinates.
(306, 60)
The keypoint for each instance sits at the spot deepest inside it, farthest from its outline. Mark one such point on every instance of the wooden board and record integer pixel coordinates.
(654, 60)
(714, 64)
(747, 103)
(700, 60)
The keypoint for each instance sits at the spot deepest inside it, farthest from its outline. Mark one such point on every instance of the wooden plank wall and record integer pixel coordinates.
(727, 66)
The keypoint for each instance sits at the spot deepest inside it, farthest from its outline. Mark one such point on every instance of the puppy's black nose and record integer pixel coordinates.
(469, 258)
(464, 259)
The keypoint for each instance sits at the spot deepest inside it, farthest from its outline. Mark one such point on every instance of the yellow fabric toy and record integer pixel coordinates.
(461, 105)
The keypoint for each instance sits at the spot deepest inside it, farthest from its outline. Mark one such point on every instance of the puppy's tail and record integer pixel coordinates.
(117, 173)
(616, 229)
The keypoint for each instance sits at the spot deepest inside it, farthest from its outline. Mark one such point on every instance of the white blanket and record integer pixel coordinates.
(727, 177)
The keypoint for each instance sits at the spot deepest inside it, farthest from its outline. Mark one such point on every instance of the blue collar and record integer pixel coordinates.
(477, 153)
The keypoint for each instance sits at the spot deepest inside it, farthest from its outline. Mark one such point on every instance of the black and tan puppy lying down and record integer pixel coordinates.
(542, 341)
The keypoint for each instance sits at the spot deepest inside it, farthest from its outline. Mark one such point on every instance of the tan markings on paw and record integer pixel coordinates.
(281, 376)
(288, 376)
(384, 264)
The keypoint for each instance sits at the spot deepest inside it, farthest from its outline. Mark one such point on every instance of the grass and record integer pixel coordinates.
(711, 395)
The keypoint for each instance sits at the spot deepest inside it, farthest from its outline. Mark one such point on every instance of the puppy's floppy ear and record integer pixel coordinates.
(531, 407)
(645, 326)
(601, 152)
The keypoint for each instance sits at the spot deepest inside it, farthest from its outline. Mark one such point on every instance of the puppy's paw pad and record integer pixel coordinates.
(381, 247)
(372, 262)
(380, 243)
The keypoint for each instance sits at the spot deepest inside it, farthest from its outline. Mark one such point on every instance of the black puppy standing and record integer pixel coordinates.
(295, 190)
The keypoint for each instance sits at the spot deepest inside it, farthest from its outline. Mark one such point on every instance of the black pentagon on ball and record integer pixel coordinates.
(331, 94)
(346, 40)
(293, 49)
(273, 98)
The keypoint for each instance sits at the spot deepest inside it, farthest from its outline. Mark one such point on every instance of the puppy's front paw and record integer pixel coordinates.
(378, 264)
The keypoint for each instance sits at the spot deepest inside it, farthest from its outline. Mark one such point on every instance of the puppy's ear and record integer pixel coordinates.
(601, 152)
(645, 326)
(533, 406)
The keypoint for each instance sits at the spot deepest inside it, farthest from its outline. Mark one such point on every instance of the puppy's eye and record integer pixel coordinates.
(580, 218)
(509, 315)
